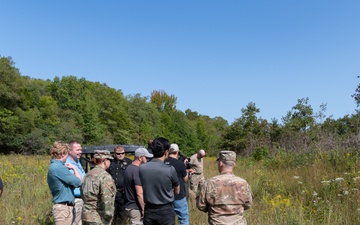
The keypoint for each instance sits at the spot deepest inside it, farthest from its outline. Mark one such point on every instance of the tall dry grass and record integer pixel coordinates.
(288, 189)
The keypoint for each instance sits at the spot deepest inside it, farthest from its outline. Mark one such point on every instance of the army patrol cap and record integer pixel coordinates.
(102, 154)
(227, 156)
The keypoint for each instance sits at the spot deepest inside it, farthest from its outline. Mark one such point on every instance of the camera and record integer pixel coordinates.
(182, 158)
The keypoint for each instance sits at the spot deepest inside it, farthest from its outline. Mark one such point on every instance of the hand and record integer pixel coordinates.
(70, 166)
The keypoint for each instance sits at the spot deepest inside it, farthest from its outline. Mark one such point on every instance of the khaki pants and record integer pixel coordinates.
(79, 203)
(63, 214)
(196, 181)
(135, 216)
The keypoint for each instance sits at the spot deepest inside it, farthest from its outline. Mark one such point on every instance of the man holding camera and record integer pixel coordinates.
(180, 203)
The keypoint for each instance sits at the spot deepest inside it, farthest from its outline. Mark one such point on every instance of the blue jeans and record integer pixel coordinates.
(181, 210)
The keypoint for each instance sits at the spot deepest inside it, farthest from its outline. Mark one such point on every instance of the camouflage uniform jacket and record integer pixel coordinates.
(98, 192)
(225, 197)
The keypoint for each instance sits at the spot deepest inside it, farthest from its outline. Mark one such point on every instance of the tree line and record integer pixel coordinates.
(34, 113)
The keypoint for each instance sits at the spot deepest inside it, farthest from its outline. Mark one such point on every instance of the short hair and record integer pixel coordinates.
(159, 146)
(58, 149)
(71, 143)
(228, 163)
(119, 147)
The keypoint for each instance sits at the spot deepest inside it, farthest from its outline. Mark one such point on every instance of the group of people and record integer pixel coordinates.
(150, 189)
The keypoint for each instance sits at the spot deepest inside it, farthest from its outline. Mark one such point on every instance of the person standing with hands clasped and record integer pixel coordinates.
(226, 196)
(98, 191)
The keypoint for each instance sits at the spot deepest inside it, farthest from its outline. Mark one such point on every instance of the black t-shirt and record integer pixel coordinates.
(131, 179)
(181, 172)
(1, 184)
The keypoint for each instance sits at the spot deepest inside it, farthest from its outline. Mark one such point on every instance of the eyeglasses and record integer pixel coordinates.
(120, 153)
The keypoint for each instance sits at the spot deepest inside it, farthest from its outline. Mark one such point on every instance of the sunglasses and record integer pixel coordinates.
(121, 153)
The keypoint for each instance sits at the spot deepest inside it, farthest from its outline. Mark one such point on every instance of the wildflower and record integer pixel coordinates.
(325, 182)
(354, 189)
(300, 182)
(314, 193)
(356, 178)
(345, 192)
(339, 179)
(296, 177)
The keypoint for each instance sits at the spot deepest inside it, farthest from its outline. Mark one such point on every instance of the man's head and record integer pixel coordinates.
(119, 152)
(160, 147)
(75, 150)
(59, 150)
(201, 153)
(142, 154)
(226, 160)
(174, 150)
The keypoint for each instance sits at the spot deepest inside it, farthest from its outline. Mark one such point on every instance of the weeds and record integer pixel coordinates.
(309, 188)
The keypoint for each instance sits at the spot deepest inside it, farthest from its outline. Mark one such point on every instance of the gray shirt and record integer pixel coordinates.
(158, 181)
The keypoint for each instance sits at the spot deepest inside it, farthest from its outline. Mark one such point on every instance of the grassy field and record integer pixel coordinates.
(289, 189)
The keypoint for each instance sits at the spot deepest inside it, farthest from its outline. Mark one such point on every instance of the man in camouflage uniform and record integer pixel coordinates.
(98, 192)
(226, 196)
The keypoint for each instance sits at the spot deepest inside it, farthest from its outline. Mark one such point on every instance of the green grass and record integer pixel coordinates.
(296, 189)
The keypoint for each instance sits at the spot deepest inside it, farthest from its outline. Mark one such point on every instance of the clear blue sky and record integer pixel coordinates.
(215, 56)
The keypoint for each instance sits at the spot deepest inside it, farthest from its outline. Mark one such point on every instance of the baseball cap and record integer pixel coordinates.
(102, 154)
(227, 156)
(143, 152)
(174, 148)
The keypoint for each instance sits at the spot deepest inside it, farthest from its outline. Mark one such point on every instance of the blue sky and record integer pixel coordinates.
(215, 56)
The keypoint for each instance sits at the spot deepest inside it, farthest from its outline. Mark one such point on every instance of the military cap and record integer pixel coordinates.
(102, 154)
(227, 156)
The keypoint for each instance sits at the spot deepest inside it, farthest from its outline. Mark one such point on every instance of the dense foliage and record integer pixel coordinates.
(34, 113)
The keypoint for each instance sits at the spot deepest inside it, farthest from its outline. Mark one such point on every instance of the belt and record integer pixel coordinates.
(66, 203)
(154, 206)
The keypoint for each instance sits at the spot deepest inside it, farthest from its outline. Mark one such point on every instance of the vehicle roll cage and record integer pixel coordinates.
(88, 153)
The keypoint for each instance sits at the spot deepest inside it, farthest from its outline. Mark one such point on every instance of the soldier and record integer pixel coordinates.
(98, 191)
(117, 171)
(226, 196)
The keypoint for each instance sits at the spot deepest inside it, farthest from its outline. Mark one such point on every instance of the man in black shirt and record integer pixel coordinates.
(180, 203)
(159, 182)
(117, 171)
